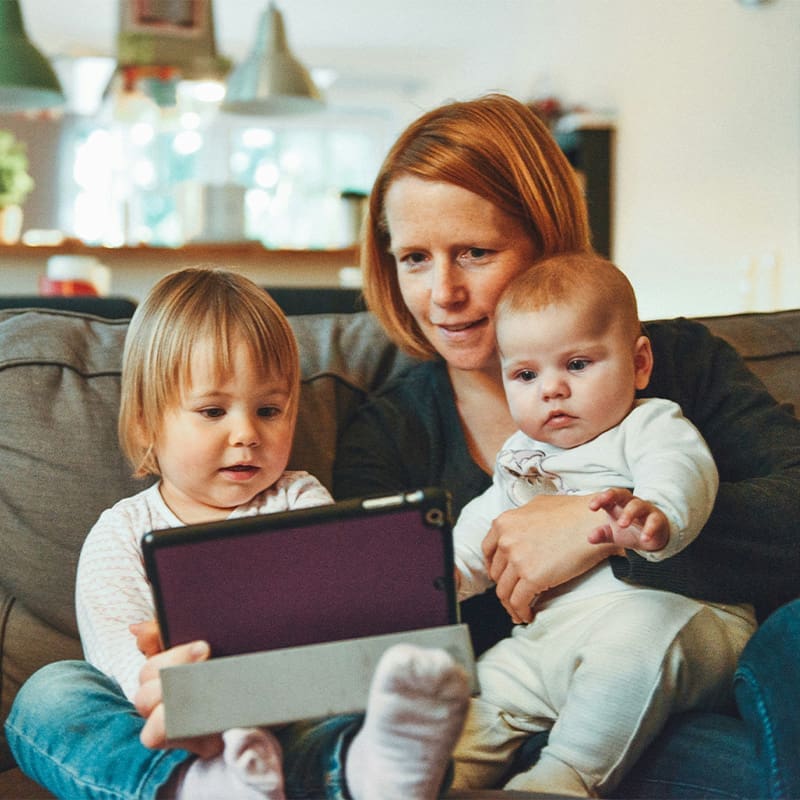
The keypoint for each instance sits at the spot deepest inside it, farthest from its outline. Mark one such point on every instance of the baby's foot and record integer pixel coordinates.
(416, 709)
(255, 756)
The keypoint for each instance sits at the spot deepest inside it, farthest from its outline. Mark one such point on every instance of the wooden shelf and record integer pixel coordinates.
(198, 251)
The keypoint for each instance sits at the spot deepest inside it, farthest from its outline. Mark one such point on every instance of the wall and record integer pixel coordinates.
(706, 94)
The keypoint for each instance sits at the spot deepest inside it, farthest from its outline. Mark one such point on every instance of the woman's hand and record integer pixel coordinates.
(540, 545)
(149, 700)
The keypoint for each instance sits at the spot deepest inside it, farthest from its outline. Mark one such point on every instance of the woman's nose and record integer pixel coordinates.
(447, 287)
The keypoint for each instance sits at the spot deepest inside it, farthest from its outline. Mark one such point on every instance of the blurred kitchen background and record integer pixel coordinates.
(682, 115)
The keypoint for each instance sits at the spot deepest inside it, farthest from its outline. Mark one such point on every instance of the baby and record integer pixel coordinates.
(603, 663)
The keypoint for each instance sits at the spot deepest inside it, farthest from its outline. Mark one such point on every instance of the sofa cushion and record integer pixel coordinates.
(770, 344)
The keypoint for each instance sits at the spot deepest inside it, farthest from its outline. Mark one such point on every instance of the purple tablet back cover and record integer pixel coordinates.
(337, 579)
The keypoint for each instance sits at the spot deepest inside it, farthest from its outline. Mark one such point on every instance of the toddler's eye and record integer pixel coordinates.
(212, 413)
(269, 411)
(526, 375)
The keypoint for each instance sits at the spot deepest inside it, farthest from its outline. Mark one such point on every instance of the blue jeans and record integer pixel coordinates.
(72, 730)
(767, 689)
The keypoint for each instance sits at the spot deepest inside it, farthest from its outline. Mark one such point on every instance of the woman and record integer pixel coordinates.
(471, 194)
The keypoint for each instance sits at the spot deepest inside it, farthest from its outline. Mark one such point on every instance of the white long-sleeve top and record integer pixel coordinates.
(655, 452)
(111, 589)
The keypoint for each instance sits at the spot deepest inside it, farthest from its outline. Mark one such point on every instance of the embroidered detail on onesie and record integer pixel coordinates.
(524, 477)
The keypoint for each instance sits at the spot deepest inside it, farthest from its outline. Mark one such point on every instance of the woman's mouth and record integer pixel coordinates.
(457, 328)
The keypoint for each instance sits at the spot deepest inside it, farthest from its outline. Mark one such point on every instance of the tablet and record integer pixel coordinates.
(356, 568)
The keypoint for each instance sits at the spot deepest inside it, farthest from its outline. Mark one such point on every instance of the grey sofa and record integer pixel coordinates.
(60, 465)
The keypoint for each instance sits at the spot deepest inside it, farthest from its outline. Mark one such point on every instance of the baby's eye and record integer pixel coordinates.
(526, 375)
(578, 364)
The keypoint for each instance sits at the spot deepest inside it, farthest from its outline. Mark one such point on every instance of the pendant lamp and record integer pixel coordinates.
(271, 80)
(27, 81)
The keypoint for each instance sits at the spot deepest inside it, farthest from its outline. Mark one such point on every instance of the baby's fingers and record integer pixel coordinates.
(602, 534)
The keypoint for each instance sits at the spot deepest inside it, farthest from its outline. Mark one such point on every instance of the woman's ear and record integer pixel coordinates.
(642, 362)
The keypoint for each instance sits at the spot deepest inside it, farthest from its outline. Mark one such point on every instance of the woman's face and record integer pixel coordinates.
(455, 253)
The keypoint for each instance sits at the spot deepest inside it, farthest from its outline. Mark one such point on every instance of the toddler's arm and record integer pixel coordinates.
(632, 523)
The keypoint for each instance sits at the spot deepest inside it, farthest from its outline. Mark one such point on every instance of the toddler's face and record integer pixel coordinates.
(568, 379)
(228, 439)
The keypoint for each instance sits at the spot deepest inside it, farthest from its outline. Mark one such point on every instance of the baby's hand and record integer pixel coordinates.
(633, 523)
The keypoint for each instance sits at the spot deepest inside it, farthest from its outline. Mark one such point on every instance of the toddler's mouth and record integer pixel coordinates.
(241, 469)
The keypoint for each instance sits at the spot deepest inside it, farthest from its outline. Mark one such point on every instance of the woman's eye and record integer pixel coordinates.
(411, 260)
(578, 364)
(473, 254)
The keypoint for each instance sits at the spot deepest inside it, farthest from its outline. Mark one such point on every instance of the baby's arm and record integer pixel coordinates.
(632, 523)
(472, 576)
(671, 469)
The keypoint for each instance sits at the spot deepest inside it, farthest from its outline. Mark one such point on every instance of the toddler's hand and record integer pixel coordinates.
(149, 701)
(148, 637)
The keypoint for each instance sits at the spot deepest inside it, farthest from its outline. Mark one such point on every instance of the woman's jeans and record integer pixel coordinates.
(72, 730)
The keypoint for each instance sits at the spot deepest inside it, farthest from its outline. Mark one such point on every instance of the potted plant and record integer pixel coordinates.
(15, 185)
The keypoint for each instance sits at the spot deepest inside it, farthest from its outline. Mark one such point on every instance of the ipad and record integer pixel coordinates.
(356, 568)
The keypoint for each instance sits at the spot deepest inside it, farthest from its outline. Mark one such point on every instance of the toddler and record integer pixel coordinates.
(209, 401)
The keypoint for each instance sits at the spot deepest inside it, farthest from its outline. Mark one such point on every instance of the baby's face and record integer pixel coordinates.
(228, 438)
(567, 378)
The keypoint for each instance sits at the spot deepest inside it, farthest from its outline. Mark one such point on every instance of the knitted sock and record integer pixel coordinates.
(255, 755)
(248, 769)
(416, 709)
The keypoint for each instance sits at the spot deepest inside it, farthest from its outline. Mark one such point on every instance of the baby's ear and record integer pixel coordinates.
(642, 362)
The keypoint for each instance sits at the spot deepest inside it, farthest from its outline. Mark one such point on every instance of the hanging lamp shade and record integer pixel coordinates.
(27, 81)
(271, 80)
